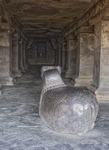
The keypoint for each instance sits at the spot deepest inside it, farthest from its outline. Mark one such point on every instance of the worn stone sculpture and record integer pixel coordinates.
(66, 109)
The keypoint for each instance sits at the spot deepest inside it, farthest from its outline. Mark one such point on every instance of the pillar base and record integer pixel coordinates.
(63, 74)
(102, 93)
(73, 81)
(92, 88)
(26, 67)
(7, 80)
(22, 70)
(68, 82)
(83, 81)
(17, 74)
(68, 74)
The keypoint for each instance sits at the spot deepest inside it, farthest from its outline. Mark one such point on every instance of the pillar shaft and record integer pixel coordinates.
(101, 61)
(85, 59)
(21, 56)
(60, 55)
(64, 57)
(25, 63)
(56, 57)
(15, 57)
(6, 57)
(71, 57)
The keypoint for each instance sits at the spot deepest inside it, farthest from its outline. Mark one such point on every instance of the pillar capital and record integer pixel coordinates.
(16, 35)
(71, 36)
(20, 41)
(84, 29)
(4, 26)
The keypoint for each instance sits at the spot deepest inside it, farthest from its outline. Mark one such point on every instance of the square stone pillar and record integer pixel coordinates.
(60, 55)
(71, 57)
(25, 46)
(21, 56)
(0, 89)
(15, 56)
(6, 57)
(101, 61)
(56, 56)
(64, 57)
(85, 59)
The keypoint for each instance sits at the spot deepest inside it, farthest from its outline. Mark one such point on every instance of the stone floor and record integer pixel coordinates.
(22, 129)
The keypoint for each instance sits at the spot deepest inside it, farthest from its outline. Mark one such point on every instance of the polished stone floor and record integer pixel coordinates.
(22, 129)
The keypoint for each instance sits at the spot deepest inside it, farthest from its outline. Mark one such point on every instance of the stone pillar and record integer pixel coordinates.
(25, 63)
(85, 59)
(21, 60)
(6, 57)
(60, 55)
(101, 60)
(64, 58)
(71, 57)
(26, 54)
(15, 56)
(56, 57)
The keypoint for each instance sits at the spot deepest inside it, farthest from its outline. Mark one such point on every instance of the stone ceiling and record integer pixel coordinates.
(46, 17)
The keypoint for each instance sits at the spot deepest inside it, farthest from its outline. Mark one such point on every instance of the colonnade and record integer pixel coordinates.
(12, 56)
(87, 58)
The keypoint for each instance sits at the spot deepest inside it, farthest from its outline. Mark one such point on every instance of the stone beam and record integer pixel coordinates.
(95, 8)
(84, 29)
(104, 15)
(8, 16)
(5, 13)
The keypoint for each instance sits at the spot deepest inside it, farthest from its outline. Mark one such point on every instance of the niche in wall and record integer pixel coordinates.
(41, 50)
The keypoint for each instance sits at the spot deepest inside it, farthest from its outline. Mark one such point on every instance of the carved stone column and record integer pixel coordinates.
(0, 89)
(64, 57)
(25, 63)
(60, 54)
(101, 60)
(26, 55)
(21, 58)
(15, 56)
(71, 57)
(6, 57)
(56, 57)
(85, 58)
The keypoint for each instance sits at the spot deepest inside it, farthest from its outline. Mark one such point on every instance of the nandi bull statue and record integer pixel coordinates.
(66, 109)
